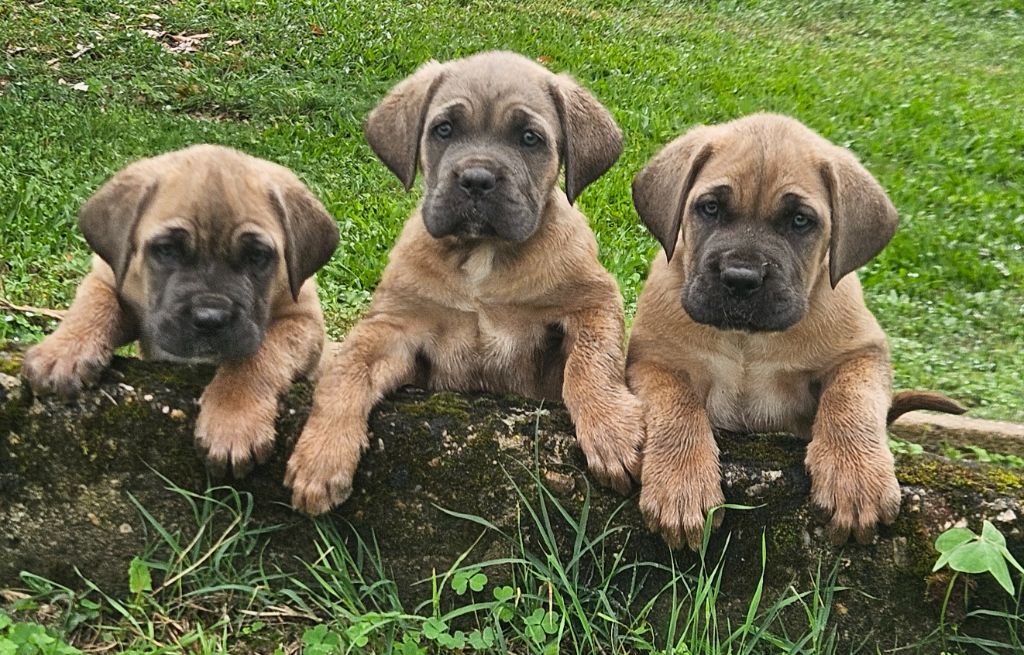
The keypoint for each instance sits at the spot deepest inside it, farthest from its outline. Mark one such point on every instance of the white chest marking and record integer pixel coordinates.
(479, 265)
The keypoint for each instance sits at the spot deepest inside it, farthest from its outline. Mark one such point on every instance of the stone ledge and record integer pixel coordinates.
(67, 470)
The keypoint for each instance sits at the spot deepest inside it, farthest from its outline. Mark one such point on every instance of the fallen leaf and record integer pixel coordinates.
(177, 43)
(81, 86)
(82, 49)
(232, 42)
(316, 29)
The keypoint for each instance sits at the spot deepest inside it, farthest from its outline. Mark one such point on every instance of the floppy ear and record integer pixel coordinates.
(395, 126)
(661, 189)
(591, 140)
(863, 218)
(108, 218)
(310, 233)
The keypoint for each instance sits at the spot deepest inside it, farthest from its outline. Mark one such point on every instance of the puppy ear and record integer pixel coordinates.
(395, 126)
(660, 190)
(863, 218)
(311, 235)
(591, 140)
(109, 217)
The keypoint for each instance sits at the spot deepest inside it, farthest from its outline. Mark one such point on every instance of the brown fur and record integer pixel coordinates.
(537, 316)
(827, 377)
(211, 192)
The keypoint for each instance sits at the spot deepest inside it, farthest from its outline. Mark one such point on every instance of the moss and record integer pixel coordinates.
(785, 537)
(1005, 480)
(780, 450)
(918, 553)
(10, 365)
(952, 477)
(439, 404)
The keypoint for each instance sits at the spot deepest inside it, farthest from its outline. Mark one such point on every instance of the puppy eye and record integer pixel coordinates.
(443, 130)
(166, 252)
(802, 222)
(530, 138)
(708, 208)
(259, 258)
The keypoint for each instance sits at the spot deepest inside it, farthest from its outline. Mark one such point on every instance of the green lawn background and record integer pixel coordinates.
(928, 94)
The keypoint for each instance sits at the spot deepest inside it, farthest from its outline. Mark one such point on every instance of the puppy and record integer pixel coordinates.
(750, 321)
(494, 284)
(203, 255)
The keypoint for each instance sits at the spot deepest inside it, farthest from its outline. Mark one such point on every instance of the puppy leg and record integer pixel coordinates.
(852, 472)
(376, 358)
(76, 354)
(681, 476)
(609, 418)
(238, 408)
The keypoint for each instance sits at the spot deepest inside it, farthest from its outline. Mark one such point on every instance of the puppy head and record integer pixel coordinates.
(758, 205)
(203, 241)
(491, 132)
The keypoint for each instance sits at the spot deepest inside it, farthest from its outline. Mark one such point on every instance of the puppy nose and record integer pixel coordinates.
(477, 181)
(211, 314)
(743, 280)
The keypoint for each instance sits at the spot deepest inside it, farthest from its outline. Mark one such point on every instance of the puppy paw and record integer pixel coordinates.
(675, 499)
(64, 367)
(235, 429)
(612, 441)
(856, 489)
(323, 465)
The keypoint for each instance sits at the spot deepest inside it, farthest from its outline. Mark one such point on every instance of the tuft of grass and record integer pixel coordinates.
(927, 94)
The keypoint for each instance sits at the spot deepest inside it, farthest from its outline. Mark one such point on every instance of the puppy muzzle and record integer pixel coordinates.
(478, 201)
(746, 291)
(207, 328)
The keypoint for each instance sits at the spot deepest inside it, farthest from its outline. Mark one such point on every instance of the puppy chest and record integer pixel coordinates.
(496, 351)
(757, 397)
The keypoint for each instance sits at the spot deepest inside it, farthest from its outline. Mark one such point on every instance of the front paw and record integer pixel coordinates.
(64, 367)
(323, 465)
(857, 489)
(676, 497)
(235, 429)
(612, 441)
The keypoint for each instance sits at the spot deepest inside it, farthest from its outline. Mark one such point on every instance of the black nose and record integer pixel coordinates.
(477, 181)
(211, 314)
(743, 280)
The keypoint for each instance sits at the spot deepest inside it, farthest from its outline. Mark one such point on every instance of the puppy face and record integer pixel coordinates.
(207, 268)
(763, 207)
(491, 132)
(203, 243)
(489, 151)
(757, 224)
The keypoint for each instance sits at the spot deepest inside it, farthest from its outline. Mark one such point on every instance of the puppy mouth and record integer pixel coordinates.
(453, 214)
(768, 310)
(171, 340)
(475, 229)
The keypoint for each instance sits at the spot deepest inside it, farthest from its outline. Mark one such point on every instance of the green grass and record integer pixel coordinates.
(926, 93)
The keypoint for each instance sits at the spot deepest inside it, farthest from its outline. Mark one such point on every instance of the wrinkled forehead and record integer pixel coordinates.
(761, 169)
(490, 90)
(213, 202)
